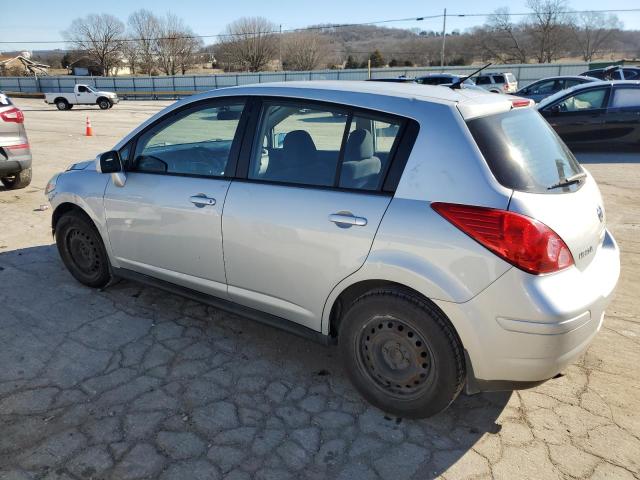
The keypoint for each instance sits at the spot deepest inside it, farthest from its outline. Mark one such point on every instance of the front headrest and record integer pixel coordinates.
(298, 142)
(359, 145)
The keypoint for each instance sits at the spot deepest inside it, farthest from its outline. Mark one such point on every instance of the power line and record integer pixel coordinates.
(337, 25)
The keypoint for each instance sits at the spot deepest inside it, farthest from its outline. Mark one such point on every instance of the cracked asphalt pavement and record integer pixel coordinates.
(131, 382)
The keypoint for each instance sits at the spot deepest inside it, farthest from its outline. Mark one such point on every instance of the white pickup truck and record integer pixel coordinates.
(82, 95)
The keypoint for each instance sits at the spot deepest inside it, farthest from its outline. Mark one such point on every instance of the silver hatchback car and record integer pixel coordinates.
(445, 239)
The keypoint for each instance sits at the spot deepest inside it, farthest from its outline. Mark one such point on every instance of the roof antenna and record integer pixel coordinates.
(458, 84)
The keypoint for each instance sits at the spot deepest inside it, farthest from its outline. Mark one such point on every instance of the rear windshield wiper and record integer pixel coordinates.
(565, 182)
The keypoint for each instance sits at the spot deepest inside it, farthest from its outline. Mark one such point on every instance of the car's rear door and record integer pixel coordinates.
(622, 121)
(305, 215)
(166, 221)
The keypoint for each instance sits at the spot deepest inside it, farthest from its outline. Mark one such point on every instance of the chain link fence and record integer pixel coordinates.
(183, 85)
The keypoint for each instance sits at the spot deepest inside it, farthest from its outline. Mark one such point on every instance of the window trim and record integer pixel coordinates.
(234, 152)
(399, 153)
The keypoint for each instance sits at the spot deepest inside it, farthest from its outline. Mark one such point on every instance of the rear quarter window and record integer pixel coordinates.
(523, 152)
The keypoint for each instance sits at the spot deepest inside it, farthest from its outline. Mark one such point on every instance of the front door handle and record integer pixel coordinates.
(347, 219)
(202, 200)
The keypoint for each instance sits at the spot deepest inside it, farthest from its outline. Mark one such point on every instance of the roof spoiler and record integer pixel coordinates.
(457, 85)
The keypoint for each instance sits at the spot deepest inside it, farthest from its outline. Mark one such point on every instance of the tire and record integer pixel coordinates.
(19, 180)
(401, 353)
(82, 250)
(62, 104)
(104, 104)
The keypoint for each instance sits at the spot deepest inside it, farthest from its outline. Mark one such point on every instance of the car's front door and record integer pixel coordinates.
(166, 220)
(578, 118)
(85, 96)
(306, 214)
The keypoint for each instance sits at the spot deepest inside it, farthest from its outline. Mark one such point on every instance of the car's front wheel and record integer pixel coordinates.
(19, 180)
(82, 250)
(104, 104)
(401, 353)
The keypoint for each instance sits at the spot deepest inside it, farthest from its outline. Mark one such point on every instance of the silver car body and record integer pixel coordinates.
(282, 255)
(15, 152)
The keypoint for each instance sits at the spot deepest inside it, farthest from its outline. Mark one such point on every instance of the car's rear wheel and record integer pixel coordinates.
(19, 180)
(62, 104)
(401, 353)
(82, 250)
(104, 104)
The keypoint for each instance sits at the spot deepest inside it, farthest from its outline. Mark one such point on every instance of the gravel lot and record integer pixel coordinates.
(131, 382)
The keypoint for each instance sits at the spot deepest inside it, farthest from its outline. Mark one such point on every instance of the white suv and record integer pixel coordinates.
(498, 82)
(443, 238)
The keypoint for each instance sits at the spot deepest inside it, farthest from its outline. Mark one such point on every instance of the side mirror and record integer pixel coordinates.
(109, 162)
(555, 109)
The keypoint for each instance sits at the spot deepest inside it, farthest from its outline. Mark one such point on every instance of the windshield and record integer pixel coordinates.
(523, 151)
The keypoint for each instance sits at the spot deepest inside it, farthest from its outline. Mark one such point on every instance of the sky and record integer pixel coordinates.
(44, 20)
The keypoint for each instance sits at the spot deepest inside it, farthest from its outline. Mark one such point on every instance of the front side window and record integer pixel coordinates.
(545, 87)
(195, 142)
(626, 98)
(589, 100)
(82, 89)
(298, 144)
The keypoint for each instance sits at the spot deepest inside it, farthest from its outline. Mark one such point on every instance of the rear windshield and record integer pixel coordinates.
(510, 77)
(4, 100)
(523, 151)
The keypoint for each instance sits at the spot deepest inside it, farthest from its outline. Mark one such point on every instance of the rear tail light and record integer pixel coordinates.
(19, 146)
(13, 115)
(522, 241)
(520, 103)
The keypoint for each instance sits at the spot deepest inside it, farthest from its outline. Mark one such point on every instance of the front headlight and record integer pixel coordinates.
(51, 185)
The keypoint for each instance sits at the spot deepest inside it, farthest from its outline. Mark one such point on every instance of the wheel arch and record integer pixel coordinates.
(57, 99)
(62, 209)
(99, 99)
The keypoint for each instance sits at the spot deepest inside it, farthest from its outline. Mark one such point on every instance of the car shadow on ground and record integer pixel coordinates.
(149, 382)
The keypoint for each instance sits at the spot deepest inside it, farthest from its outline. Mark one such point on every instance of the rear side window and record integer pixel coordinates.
(631, 74)
(318, 146)
(483, 80)
(499, 79)
(626, 98)
(523, 151)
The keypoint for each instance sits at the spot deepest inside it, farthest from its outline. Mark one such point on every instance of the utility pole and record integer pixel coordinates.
(444, 36)
(280, 47)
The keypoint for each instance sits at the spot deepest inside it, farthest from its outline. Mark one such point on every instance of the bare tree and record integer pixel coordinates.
(548, 27)
(131, 53)
(305, 51)
(144, 27)
(592, 31)
(248, 43)
(176, 46)
(505, 40)
(100, 36)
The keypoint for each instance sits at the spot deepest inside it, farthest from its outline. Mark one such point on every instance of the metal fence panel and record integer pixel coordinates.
(185, 84)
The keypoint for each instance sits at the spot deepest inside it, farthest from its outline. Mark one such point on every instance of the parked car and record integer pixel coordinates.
(443, 238)
(393, 80)
(597, 115)
(15, 153)
(541, 89)
(443, 79)
(614, 72)
(497, 82)
(82, 95)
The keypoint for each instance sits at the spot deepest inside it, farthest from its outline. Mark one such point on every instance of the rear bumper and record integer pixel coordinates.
(524, 329)
(10, 167)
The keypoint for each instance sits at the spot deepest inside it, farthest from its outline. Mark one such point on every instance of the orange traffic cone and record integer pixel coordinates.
(89, 130)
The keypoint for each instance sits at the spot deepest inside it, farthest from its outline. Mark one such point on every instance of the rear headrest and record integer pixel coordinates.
(298, 142)
(359, 145)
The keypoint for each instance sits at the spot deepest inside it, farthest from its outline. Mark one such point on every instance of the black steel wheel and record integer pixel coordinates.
(81, 249)
(395, 357)
(401, 353)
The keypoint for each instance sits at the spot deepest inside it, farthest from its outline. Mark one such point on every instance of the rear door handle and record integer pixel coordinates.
(347, 219)
(202, 200)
